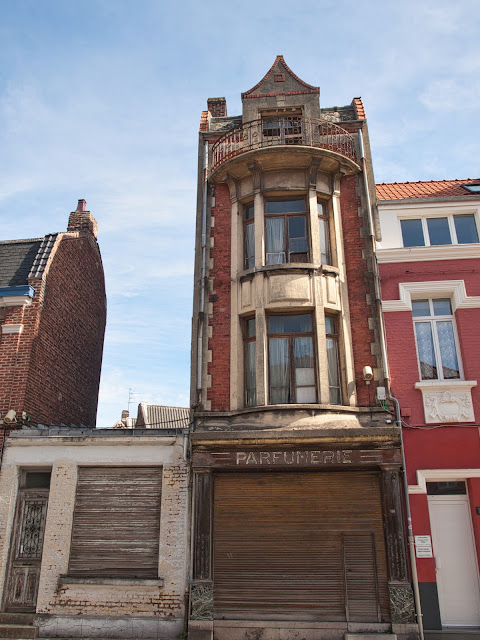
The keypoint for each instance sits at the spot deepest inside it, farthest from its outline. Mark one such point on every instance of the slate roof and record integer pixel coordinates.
(155, 416)
(426, 189)
(24, 259)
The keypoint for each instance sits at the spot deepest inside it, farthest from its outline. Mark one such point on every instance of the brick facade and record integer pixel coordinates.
(50, 370)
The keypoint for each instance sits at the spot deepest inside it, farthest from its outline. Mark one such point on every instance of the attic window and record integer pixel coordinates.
(473, 188)
(279, 77)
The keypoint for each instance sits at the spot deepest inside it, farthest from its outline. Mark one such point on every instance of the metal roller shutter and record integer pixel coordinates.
(116, 522)
(299, 545)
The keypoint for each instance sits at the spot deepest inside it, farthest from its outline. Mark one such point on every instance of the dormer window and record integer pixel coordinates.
(473, 188)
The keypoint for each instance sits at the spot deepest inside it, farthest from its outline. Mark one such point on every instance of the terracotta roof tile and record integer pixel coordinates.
(426, 189)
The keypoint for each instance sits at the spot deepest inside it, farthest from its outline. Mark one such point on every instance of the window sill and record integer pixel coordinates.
(66, 581)
(432, 252)
(446, 401)
(291, 266)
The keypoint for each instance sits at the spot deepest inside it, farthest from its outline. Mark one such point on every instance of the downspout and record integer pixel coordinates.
(411, 544)
(398, 420)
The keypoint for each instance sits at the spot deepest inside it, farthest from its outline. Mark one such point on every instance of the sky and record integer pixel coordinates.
(101, 99)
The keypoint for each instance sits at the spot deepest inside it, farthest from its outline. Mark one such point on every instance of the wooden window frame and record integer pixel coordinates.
(309, 334)
(328, 224)
(286, 216)
(336, 338)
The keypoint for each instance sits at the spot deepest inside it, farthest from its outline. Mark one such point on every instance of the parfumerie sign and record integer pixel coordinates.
(294, 457)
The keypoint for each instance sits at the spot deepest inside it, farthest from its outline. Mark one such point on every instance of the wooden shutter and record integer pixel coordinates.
(116, 522)
(303, 545)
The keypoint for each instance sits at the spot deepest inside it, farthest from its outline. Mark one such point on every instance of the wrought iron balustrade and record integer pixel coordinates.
(275, 131)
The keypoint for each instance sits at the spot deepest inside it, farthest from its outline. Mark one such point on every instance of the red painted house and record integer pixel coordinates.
(429, 263)
(52, 318)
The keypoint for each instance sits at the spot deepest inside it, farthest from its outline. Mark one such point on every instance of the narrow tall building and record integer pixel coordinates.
(298, 512)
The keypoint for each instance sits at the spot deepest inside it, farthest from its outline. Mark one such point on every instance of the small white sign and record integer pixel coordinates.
(423, 547)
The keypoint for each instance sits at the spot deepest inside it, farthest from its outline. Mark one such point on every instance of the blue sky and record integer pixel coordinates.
(101, 99)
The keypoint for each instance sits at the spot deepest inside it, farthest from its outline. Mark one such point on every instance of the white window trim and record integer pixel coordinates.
(453, 289)
(439, 475)
(433, 320)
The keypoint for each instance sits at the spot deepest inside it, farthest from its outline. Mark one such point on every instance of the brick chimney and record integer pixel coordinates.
(82, 220)
(217, 107)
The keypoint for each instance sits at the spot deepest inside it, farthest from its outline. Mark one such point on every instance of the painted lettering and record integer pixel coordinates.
(315, 457)
(251, 459)
(346, 456)
(264, 457)
(276, 455)
(302, 457)
(292, 457)
(329, 456)
(241, 457)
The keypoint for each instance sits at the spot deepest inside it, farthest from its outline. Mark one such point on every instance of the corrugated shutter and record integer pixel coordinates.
(116, 522)
(307, 545)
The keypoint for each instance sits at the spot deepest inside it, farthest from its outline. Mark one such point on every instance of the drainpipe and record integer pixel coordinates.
(411, 545)
(398, 421)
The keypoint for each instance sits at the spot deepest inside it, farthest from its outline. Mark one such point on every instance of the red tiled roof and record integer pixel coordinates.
(359, 108)
(428, 189)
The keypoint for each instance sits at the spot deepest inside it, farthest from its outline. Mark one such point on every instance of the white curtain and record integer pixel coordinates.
(275, 241)
(279, 371)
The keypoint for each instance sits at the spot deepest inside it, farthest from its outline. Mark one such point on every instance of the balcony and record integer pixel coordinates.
(281, 131)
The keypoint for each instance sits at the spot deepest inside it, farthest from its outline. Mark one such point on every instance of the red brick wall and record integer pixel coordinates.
(219, 343)
(64, 372)
(356, 268)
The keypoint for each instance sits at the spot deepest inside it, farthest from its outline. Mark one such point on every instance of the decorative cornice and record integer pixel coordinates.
(454, 289)
(424, 254)
(15, 301)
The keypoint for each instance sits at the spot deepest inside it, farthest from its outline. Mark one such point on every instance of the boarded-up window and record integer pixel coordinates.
(116, 522)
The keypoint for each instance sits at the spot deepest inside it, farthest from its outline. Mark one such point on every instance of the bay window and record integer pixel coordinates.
(286, 238)
(291, 359)
(435, 339)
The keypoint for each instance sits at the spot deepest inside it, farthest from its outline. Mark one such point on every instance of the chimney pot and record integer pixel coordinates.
(82, 205)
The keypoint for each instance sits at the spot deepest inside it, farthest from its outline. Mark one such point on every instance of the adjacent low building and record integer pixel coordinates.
(94, 531)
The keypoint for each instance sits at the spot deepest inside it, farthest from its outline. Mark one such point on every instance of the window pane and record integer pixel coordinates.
(290, 324)
(333, 370)
(448, 351)
(442, 307)
(438, 231)
(279, 371)
(330, 325)
(305, 391)
(250, 374)
(466, 229)
(249, 246)
(426, 354)
(412, 233)
(249, 211)
(297, 235)
(285, 206)
(420, 308)
(323, 232)
(446, 488)
(275, 241)
(250, 328)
